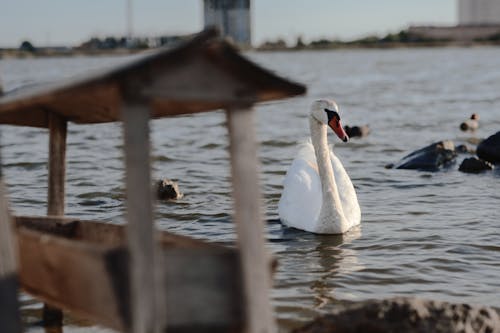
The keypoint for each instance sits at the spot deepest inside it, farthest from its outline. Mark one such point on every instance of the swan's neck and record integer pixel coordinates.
(331, 216)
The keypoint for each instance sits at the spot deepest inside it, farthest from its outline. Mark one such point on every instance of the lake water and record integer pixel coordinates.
(433, 235)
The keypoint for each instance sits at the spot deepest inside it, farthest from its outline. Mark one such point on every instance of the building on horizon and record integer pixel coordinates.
(478, 12)
(232, 18)
(477, 20)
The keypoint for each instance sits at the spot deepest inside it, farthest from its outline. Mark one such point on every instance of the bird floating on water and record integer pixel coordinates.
(167, 189)
(318, 195)
(470, 124)
(357, 131)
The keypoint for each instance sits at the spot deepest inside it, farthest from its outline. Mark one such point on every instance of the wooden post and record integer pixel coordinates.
(57, 164)
(248, 219)
(145, 271)
(52, 317)
(9, 308)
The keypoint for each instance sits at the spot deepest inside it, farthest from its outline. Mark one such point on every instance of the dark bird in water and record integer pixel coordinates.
(357, 131)
(167, 189)
(471, 124)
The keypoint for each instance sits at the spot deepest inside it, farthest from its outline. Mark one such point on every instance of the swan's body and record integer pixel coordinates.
(318, 195)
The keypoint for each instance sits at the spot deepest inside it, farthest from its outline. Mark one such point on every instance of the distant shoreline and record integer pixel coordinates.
(46, 53)
(382, 46)
(21, 54)
(463, 36)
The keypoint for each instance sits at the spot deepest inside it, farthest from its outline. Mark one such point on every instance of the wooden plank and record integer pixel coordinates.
(70, 275)
(100, 232)
(52, 317)
(90, 277)
(9, 307)
(8, 254)
(145, 272)
(249, 224)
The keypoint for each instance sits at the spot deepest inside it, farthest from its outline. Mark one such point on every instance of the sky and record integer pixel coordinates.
(71, 22)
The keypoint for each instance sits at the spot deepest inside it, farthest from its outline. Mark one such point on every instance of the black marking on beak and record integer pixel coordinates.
(332, 114)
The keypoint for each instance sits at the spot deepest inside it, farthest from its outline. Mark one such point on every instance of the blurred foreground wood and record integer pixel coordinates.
(9, 313)
(135, 278)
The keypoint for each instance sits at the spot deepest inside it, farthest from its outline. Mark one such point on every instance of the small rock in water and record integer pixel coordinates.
(167, 189)
(409, 315)
(474, 165)
(489, 149)
(430, 158)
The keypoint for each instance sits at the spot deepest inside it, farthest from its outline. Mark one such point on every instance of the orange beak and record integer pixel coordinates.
(336, 126)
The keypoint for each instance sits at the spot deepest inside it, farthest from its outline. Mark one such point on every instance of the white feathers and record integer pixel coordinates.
(319, 204)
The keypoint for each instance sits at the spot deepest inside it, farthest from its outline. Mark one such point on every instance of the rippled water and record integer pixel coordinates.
(433, 235)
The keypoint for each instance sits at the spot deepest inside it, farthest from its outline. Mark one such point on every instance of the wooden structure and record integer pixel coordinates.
(134, 278)
(9, 314)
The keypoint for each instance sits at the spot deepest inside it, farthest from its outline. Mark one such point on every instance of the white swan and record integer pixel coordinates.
(319, 196)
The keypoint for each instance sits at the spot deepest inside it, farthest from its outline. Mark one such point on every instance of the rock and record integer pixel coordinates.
(474, 165)
(430, 158)
(357, 131)
(167, 189)
(471, 124)
(409, 315)
(489, 149)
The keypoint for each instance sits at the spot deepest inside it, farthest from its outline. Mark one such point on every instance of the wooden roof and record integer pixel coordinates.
(203, 74)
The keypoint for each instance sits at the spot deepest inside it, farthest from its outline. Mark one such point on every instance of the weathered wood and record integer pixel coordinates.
(53, 317)
(248, 219)
(83, 267)
(57, 165)
(157, 85)
(9, 307)
(147, 309)
(164, 81)
(70, 275)
(8, 263)
(100, 232)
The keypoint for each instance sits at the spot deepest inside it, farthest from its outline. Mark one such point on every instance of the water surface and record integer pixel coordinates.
(432, 235)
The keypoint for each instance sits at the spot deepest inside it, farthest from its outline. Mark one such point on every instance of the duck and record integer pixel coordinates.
(318, 195)
(167, 189)
(470, 124)
(357, 131)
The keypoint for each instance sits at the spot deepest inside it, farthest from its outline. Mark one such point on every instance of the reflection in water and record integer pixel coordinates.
(320, 260)
(334, 260)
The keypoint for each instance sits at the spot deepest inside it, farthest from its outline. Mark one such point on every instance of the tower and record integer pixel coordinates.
(232, 17)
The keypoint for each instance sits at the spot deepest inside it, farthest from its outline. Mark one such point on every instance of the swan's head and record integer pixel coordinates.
(326, 111)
